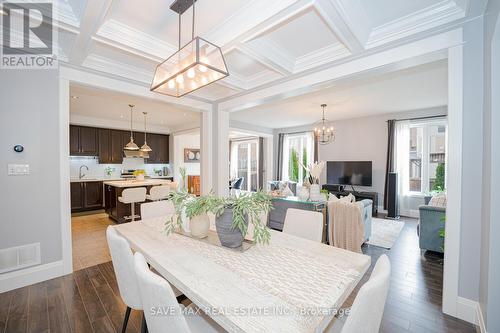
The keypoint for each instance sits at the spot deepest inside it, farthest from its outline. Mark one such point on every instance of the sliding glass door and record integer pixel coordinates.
(245, 162)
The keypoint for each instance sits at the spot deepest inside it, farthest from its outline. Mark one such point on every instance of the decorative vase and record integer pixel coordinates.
(199, 225)
(228, 236)
(315, 194)
(303, 193)
(139, 177)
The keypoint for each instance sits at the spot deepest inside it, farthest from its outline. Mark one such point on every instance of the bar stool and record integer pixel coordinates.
(158, 192)
(132, 196)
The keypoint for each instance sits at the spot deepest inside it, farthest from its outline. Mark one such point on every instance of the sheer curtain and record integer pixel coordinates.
(402, 163)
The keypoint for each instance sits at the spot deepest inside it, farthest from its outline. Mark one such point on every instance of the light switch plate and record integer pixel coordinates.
(18, 169)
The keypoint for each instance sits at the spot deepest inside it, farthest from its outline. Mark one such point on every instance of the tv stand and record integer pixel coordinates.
(373, 196)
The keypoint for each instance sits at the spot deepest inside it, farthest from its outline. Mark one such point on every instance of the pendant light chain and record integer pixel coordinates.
(131, 135)
(192, 28)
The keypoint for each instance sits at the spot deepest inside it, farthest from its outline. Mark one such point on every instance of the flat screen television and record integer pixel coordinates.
(349, 173)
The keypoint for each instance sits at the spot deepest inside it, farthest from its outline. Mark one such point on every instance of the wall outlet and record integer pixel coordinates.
(18, 169)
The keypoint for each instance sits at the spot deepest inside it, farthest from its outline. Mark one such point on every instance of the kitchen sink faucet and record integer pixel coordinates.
(81, 175)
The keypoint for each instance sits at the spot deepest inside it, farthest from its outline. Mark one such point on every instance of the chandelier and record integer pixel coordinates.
(195, 65)
(324, 132)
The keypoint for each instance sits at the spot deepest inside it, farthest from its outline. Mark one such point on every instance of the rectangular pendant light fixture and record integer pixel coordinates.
(195, 65)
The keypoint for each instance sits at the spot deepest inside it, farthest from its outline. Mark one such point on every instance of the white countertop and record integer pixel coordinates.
(105, 179)
(136, 183)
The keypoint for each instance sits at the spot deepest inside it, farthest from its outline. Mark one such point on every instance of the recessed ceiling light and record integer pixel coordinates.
(74, 97)
(2, 12)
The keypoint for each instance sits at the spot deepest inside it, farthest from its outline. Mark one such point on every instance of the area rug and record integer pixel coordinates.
(385, 232)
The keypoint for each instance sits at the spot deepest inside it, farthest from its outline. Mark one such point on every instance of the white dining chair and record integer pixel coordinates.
(158, 192)
(123, 265)
(164, 313)
(367, 310)
(157, 209)
(304, 223)
(132, 196)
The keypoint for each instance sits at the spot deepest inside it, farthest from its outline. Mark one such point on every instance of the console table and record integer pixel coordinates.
(373, 196)
(281, 205)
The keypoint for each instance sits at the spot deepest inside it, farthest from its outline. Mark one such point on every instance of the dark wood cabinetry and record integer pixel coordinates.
(83, 141)
(86, 196)
(107, 144)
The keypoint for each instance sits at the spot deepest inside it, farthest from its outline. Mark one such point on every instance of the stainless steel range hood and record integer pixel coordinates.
(135, 153)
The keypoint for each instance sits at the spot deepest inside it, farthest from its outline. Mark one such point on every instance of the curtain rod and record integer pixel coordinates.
(300, 132)
(422, 118)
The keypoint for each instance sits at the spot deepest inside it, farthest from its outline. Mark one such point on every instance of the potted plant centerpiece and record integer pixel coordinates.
(139, 174)
(233, 216)
(235, 213)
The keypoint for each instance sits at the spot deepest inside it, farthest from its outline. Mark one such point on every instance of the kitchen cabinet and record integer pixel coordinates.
(83, 141)
(86, 196)
(159, 143)
(116, 146)
(104, 138)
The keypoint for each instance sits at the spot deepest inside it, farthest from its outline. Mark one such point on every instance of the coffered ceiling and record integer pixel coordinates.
(263, 41)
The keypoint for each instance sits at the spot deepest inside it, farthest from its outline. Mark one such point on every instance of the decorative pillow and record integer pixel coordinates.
(332, 197)
(438, 200)
(353, 198)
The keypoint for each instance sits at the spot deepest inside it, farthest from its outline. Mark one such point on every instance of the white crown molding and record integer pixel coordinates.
(269, 54)
(246, 19)
(347, 20)
(320, 57)
(103, 64)
(124, 37)
(425, 19)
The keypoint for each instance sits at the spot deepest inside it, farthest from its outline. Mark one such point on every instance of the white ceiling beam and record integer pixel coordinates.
(270, 55)
(87, 78)
(347, 20)
(93, 17)
(322, 79)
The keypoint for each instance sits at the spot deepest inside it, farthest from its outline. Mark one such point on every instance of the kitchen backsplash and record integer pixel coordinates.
(97, 170)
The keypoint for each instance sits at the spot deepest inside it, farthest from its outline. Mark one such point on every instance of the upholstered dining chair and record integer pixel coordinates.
(157, 209)
(156, 293)
(123, 264)
(158, 192)
(304, 223)
(368, 307)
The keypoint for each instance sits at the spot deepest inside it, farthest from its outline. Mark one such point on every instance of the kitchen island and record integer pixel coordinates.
(113, 190)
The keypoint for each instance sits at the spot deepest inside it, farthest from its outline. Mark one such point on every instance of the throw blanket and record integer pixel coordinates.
(346, 227)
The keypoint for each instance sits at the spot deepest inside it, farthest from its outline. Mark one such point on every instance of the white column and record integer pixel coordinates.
(215, 151)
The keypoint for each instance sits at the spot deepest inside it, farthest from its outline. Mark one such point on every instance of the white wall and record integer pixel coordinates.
(489, 289)
(30, 205)
(365, 139)
(182, 141)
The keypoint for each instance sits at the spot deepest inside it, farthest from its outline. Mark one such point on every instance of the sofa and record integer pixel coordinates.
(366, 217)
(431, 222)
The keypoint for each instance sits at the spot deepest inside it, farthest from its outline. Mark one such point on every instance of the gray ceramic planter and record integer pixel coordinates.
(228, 236)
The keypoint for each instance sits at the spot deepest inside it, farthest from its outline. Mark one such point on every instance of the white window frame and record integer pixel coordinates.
(309, 136)
(425, 124)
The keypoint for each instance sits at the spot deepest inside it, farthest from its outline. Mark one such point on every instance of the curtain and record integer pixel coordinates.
(316, 148)
(260, 168)
(233, 166)
(391, 137)
(279, 167)
(402, 161)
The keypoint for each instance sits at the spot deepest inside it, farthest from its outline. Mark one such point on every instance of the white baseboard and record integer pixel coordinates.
(467, 310)
(480, 319)
(32, 275)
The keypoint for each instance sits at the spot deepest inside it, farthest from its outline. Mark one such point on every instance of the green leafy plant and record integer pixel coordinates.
(183, 171)
(439, 182)
(109, 170)
(247, 205)
(294, 166)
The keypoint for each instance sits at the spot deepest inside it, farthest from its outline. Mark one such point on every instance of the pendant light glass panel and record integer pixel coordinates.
(197, 64)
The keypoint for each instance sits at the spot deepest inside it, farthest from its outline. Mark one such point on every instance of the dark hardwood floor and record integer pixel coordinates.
(88, 300)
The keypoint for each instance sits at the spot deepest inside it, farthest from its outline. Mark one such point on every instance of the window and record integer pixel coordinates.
(427, 148)
(244, 163)
(298, 151)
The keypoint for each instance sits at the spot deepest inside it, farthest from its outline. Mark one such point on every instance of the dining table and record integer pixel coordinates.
(290, 284)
